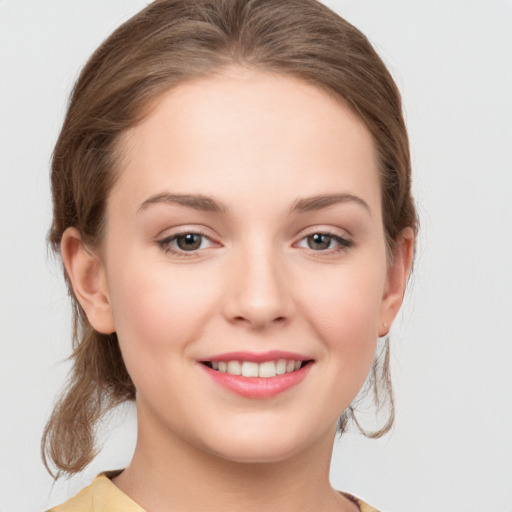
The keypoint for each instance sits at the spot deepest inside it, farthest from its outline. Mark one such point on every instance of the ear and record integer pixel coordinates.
(398, 272)
(87, 276)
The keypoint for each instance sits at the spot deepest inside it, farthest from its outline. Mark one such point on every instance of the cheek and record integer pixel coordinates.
(344, 309)
(346, 299)
(158, 310)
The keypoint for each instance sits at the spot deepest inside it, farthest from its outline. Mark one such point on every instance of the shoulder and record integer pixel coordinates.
(101, 496)
(363, 507)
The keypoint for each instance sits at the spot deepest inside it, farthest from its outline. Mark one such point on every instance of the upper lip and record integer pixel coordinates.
(257, 357)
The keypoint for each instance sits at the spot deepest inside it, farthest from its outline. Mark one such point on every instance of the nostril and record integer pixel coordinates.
(260, 321)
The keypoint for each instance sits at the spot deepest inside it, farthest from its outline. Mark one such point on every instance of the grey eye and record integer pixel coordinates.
(319, 241)
(189, 242)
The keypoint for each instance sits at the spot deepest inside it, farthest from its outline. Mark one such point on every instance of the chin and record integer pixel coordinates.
(269, 453)
(269, 444)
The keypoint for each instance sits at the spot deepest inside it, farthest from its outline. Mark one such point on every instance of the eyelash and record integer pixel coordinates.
(165, 244)
(343, 243)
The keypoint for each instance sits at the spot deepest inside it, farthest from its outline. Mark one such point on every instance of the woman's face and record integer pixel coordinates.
(245, 235)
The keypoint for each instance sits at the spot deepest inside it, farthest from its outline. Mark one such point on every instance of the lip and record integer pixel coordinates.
(257, 357)
(258, 387)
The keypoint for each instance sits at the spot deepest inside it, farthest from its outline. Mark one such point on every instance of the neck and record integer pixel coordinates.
(168, 473)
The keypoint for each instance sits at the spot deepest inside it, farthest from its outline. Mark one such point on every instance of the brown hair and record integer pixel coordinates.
(165, 44)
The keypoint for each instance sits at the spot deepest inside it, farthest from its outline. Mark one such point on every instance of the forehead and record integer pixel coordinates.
(245, 133)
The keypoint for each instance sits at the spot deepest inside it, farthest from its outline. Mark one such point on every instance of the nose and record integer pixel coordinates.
(258, 292)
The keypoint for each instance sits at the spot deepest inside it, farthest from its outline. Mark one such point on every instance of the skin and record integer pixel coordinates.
(255, 143)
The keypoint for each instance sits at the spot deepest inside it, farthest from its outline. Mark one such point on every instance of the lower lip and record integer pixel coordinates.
(258, 387)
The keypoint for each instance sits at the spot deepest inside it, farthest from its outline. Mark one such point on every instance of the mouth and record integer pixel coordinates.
(265, 369)
(257, 375)
(253, 375)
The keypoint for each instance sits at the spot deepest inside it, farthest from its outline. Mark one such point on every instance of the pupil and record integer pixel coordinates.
(319, 241)
(189, 242)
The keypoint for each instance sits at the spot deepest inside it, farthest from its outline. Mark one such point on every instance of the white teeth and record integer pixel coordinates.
(234, 368)
(266, 369)
(249, 369)
(281, 366)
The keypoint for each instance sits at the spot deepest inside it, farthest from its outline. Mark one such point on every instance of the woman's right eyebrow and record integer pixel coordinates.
(195, 201)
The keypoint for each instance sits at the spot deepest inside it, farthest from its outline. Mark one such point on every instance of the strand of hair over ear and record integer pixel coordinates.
(379, 385)
(69, 438)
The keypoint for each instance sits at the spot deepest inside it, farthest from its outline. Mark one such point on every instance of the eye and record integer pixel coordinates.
(325, 242)
(186, 242)
(189, 242)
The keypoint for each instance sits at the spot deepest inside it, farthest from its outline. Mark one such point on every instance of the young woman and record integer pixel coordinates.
(232, 205)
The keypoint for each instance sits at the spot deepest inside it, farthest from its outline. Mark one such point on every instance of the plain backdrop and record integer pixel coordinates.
(451, 449)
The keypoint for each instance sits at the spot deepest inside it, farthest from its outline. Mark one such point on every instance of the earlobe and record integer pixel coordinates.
(87, 277)
(398, 273)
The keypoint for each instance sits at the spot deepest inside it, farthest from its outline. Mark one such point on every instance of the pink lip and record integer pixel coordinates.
(257, 387)
(261, 357)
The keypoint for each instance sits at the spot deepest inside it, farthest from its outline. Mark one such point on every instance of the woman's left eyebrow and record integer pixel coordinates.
(321, 201)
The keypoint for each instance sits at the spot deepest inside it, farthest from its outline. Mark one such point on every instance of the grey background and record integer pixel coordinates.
(451, 449)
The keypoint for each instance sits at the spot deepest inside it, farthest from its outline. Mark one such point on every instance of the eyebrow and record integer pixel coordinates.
(208, 204)
(195, 201)
(321, 201)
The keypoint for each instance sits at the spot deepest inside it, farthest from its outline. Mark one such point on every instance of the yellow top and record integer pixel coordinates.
(101, 496)
(104, 496)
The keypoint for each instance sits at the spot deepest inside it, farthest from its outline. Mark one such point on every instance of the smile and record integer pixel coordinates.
(257, 376)
(266, 370)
